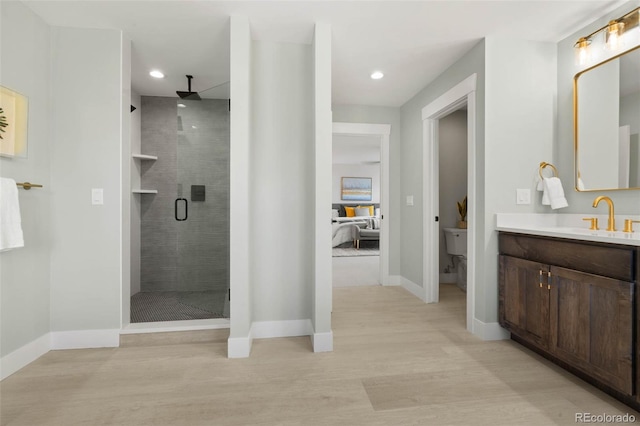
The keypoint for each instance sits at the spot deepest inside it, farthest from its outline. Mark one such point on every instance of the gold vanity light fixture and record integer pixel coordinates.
(612, 32)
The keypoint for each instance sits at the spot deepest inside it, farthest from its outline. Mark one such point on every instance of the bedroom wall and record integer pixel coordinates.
(25, 272)
(355, 170)
(282, 172)
(383, 115)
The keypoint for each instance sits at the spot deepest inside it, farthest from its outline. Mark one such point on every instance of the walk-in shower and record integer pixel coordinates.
(184, 227)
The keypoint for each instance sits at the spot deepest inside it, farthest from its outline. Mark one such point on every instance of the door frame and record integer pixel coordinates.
(382, 131)
(463, 92)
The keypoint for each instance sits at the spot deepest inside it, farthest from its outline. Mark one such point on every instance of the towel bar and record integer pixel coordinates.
(28, 185)
(543, 165)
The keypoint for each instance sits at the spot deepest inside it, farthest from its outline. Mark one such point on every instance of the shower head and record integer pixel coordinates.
(192, 96)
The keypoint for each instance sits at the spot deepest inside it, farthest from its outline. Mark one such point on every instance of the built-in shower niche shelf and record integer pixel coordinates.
(145, 191)
(143, 157)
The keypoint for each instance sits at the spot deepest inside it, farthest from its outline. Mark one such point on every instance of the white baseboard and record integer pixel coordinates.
(413, 288)
(239, 347)
(24, 356)
(85, 339)
(322, 342)
(449, 278)
(269, 329)
(489, 331)
(394, 280)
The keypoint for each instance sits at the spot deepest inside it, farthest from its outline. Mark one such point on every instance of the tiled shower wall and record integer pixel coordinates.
(192, 145)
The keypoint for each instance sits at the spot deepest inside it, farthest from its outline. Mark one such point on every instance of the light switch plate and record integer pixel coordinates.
(409, 200)
(97, 196)
(523, 196)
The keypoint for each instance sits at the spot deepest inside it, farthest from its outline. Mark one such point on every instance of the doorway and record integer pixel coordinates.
(462, 94)
(180, 211)
(380, 132)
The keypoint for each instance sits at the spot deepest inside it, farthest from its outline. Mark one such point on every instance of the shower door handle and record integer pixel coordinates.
(186, 209)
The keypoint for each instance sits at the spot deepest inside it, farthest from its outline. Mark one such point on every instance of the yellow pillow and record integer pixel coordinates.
(351, 211)
(367, 207)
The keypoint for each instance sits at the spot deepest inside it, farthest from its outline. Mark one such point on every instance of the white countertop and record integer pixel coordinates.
(569, 226)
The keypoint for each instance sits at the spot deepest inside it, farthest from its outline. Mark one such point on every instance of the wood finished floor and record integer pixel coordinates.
(396, 361)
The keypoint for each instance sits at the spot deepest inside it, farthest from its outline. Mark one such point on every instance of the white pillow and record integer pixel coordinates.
(335, 213)
(363, 212)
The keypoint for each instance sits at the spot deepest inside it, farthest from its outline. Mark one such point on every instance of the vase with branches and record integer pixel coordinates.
(462, 211)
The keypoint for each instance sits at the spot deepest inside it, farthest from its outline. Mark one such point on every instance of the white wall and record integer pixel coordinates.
(281, 178)
(520, 122)
(355, 170)
(135, 200)
(86, 154)
(391, 116)
(322, 295)
(626, 202)
(241, 304)
(452, 145)
(25, 272)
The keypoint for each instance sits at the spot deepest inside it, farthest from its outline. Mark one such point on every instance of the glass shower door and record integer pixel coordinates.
(201, 206)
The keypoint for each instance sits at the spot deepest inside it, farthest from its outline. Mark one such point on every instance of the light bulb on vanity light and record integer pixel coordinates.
(613, 35)
(583, 51)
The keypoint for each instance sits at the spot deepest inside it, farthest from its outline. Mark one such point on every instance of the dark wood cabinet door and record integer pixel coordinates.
(524, 299)
(591, 325)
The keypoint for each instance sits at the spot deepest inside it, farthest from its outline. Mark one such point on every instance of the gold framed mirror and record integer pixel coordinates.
(606, 119)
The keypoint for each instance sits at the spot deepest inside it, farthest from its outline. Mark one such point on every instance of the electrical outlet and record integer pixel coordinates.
(523, 196)
(409, 200)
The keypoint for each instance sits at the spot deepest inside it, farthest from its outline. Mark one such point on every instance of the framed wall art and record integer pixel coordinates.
(356, 189)
(14, 111)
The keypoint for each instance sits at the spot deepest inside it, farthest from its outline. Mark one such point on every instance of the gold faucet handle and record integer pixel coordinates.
(628, 225)
(594, 222)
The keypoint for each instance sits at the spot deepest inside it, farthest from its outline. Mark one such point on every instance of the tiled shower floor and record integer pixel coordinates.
(177, 305)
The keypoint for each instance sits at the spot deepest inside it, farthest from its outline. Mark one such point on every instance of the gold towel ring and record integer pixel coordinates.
(545, 164)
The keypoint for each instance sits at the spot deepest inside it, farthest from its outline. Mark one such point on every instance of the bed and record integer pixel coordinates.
(342, 226)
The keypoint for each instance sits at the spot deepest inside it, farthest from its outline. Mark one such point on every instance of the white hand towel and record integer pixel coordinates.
(553, 188)
(10, 221)
(545, 196)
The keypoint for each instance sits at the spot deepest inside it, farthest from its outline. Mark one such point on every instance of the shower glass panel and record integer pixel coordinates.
(202, 204)
(184, 242)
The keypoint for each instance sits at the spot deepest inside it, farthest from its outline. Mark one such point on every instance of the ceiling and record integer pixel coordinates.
(412, 42)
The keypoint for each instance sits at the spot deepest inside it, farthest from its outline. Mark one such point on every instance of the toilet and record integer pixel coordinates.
(456, 242)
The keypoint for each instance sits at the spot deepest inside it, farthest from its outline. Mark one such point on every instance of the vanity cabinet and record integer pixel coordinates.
(573, 301)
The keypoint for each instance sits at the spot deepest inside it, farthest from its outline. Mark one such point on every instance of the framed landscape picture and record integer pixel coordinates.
(356, 189)
(14, 109)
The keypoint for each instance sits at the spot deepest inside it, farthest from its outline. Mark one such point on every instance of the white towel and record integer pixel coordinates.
(10, 222)
(553, 188)
(545, 196)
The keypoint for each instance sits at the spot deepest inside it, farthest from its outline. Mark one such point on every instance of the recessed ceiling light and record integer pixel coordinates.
(156, 74)
(377, 75)
(182, 106)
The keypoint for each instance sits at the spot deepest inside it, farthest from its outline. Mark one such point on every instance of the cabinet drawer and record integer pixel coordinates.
(607, 260)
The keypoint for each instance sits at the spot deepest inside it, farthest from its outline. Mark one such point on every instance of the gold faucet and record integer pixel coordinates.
(612, 220)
